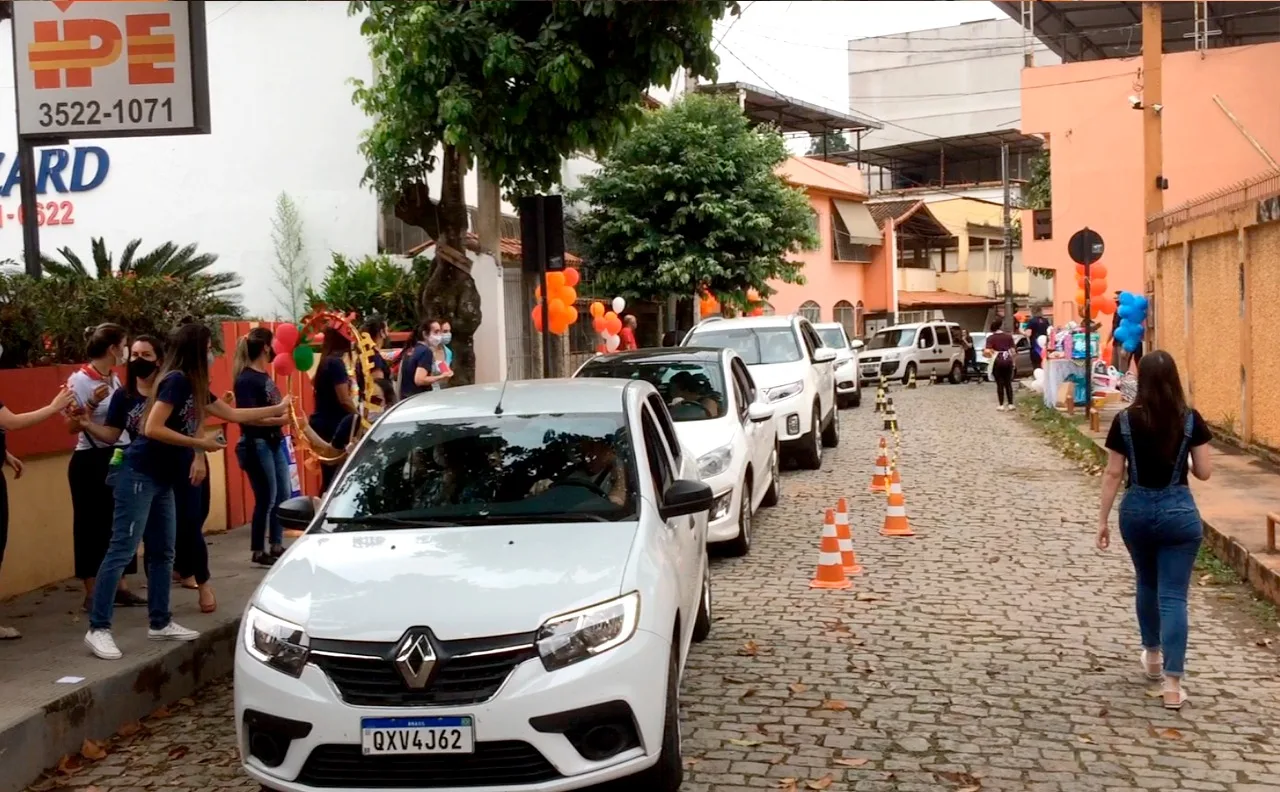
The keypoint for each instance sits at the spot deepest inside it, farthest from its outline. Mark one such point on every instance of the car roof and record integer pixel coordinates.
(785, 320)
(918, 325)
(519, 397)
(662, 355)
(827, 325)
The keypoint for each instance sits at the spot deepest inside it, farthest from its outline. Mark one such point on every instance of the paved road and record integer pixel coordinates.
(994, 650)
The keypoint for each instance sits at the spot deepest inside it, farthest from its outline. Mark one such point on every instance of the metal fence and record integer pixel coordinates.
(1240, 194)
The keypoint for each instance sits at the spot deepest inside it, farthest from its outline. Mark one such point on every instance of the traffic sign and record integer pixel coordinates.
(1085, 246)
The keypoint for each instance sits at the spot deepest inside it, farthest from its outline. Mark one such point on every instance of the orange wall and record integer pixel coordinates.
(1095, 141)
(826, 282)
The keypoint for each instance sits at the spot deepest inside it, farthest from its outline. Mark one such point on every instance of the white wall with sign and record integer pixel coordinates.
(281, 120)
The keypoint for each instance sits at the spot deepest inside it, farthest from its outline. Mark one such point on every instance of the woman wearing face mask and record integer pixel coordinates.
(433, 363)
(261, 449)
(92, 502)
(163, 453)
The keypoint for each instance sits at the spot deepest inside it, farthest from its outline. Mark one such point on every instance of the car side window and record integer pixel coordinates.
(739, 396)
(1022, 342)
(743, 376)
(655, 451)
(944, 335)
(926, 337)
(809, 345)
(815, 340)
(668, 429)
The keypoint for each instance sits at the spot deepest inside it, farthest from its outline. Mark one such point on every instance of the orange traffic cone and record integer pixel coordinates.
(845, 537)
(830, 574)
(895, 516)
(880, 479)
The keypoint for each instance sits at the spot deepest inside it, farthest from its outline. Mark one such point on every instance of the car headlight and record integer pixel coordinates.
(780, 392)
(280, 644)
(573, 637)
(891, 354)
(713, 463)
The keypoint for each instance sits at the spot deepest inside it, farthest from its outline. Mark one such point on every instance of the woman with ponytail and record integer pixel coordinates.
(261, 451)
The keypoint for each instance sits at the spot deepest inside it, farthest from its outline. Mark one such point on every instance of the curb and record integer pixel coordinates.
(1264, 580)
(99, 708)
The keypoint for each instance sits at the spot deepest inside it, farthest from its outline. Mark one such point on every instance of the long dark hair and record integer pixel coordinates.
(335, 343)
(250, 348)
(99, 339)
(1160, 407)
(131, 381)
(189, 356)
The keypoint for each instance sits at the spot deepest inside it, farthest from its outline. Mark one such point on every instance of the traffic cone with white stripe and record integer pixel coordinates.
(845, 537)
(895, 515)
(911, 379)
(890, 418)
(830, 574)
(880, 478)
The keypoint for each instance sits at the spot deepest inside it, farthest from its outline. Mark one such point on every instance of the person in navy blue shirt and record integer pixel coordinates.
(162, 454)
(261, 450)
(429, 365)
(334, 397)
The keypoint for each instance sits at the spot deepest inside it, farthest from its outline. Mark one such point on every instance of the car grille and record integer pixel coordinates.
(466, 672)
(500, 764)
(869, 359)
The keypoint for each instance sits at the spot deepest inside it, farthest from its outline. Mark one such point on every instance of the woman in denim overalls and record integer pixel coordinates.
(1160, 439)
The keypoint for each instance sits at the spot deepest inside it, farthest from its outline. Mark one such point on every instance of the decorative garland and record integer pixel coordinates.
(360, 376)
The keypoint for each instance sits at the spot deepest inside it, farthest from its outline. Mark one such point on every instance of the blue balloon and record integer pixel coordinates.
(1132, 346)
(1141, 302)
(1125, 298)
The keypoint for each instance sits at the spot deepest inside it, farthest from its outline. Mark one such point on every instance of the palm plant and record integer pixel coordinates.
(167, 261)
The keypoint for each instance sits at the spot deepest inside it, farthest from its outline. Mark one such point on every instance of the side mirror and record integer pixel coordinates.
(824, 355)
(685, 497)
(759, 412)
(857, 343)
(297, 513)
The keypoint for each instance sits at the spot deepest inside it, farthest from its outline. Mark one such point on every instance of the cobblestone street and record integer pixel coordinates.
(996, 649)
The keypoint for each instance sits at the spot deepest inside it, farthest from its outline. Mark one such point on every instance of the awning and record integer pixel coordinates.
(859, 222)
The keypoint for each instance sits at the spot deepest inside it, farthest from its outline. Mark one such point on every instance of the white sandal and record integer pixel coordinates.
(1152, 670)
(1174, 699)
(9, 634)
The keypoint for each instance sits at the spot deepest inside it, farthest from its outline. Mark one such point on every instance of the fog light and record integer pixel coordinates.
(793, 424)
(721, 506)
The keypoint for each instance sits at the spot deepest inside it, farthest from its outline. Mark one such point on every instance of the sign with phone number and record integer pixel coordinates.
(48, 213)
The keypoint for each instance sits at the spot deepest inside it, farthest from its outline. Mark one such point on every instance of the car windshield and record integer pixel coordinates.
(693, 391)
(755, 345)
(889, 339)
(833, 337)
(489, 469)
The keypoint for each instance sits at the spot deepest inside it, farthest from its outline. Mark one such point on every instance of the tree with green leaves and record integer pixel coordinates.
(836, 142)
(513, 88)
(692, 200)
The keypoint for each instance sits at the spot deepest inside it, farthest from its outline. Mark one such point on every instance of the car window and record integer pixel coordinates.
(926, 337)
(741, 373)
(755, 345)
(659, 463)
(664, 423)
(739, 397)
(541, 468)
(810, 341)
(692, 390)
(833, 337)
(1022, 342)
(944, 335)
(893, 339)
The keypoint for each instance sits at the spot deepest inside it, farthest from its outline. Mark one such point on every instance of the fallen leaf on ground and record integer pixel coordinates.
(851, 762)
(1204, 579)
(798, 687)
(1264, 642)
(744, 743)
(787, 784)
(834, 705)
(1154, 694)
(821, 783)
(68, 764)
(186, 702)
(749, 649)
(748, 693)
(129, 729)
(690, 762)
(1084, 738)
(161, 713)
(92, 751)
(869, 597)
(733, 680)
(179, 751)
(1171, 734)
(1102, 713)
(1227, 596)
(777, 759)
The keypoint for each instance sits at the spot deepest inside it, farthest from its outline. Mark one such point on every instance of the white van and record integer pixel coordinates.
(924, 347)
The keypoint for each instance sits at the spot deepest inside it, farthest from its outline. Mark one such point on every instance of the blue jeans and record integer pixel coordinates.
(1162, 531)
(144, 511)
(267, 467)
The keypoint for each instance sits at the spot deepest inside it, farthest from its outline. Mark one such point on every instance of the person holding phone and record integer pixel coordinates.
(171, 434)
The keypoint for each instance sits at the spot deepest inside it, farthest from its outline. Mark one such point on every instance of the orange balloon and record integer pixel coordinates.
(571, 314)
(753, 296)
(571, 276)
(1098, 272)
(597, 309)
(537, 317)
(559, 326)
(1106, 303)
(1080, 297)
(756, 312)
(556, 307)
(569, 295)
(601, 348)
(1080, 270)
(555, 281)
(613, 323)
(537, 293)
(599, 324)
(1098, 287)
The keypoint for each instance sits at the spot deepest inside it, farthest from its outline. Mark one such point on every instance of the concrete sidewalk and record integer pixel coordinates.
(1233, 503)
(54, 693)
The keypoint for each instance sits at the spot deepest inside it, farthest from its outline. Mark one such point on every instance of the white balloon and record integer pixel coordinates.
(1042, 341)
(1038, 374)
(604, 335)
(619, 304)
(612, 343)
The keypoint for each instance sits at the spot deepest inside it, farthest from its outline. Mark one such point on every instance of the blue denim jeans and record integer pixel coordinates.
(144, 511)
(1162, 531)
(267, 467)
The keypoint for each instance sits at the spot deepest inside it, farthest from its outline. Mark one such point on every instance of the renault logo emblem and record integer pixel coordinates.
(415, 659)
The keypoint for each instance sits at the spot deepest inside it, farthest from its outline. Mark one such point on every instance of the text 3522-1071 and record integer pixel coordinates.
(94, 113)
(48, 213)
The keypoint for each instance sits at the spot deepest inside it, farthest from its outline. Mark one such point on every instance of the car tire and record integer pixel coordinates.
(856, 401)
(831, 435)
(772, 494)
(702, 623)
(810, 457)
(740, 545)
(668, 773)
(957, 373)
(906, 375)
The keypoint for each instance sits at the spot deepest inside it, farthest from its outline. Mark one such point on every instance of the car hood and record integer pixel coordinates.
(774, 374)
(465, 582)
(699, 437)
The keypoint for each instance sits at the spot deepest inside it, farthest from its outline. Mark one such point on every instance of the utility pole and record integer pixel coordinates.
(1008, 239)
(1152, 133)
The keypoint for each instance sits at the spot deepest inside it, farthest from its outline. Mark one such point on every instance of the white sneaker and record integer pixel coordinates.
(102, 644)
(173, 632)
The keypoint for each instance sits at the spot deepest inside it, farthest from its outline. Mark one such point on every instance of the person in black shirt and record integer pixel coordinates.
(1037, 326)
(1156, 438)
(376, 327)
(261, 450)
(334, 397)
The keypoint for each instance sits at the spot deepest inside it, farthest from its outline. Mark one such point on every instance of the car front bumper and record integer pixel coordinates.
(722, 524)
(792, 417)
(632, 674)
(871, 372)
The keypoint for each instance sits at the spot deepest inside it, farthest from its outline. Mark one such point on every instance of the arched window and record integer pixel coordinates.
(811, 310)
(767, 307)
(845, 315)
(859, 320)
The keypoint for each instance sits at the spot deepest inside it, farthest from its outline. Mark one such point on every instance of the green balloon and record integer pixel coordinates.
(303, 356)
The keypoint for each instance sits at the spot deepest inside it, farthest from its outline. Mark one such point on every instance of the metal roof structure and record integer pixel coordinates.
(1080, 31)
(790, 115)
(961, 148)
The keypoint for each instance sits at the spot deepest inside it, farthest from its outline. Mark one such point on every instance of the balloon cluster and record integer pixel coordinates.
(562, 295)
(608, 324)
(755, 306)
(1100, 302)
(708, 305)
(290, 355)
(1132, 312)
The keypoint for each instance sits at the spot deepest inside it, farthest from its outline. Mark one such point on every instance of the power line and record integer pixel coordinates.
(735, 21)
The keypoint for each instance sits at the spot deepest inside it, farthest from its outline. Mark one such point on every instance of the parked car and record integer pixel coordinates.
(499, 590)
(924, 348)
(795, 371)
(1022, 360)
(723, 421)
(848, 383)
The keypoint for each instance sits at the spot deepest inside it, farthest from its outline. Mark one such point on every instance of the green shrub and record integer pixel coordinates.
(373, 285)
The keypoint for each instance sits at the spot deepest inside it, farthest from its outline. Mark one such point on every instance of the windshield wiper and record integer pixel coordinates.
(391, 520)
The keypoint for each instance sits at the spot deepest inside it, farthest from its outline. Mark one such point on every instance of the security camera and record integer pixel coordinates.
(1135, 102)
(1157, 108)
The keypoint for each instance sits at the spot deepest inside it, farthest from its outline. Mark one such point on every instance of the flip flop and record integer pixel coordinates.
(1174, 699)
(1152, 670)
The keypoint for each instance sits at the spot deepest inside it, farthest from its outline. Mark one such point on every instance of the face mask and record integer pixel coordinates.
(446, 338)
(434, 340)
(141, 368)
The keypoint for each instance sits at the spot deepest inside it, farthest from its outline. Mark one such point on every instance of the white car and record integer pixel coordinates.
(792, 368)
(919, 349)
(722, 420)
(848, 383)
(498, 593)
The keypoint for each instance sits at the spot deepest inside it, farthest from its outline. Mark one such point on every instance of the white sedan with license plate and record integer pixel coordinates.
(498, 593)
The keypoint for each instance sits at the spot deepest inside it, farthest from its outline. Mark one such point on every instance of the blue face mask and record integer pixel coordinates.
(445, 338)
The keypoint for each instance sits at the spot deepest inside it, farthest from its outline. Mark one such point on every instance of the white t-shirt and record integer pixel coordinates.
(83, 386)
